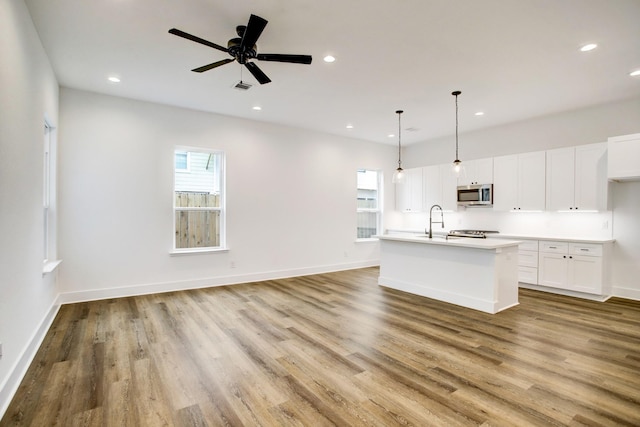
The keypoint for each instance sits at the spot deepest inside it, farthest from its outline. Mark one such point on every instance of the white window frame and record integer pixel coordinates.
(222, 201)
(49, 196)
(378, 210)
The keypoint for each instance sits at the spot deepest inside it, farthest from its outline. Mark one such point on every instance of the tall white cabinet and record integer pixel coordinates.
(409, 193)
(577, 178)
(519, 182)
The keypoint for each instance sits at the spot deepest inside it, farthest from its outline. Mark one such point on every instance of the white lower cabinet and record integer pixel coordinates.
(528, 262)
(572, 266)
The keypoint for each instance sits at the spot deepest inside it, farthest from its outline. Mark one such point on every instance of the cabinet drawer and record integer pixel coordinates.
(528, 245)
(554, 247)
(585, 249)
(528, 259)
(528, 275)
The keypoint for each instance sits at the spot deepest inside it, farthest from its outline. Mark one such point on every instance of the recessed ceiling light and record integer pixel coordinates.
(391, 135)
(588, 47)
(480, 113)
(635, 73)
(257, 108)
(114, 79)
(329, 58)
(349, 126)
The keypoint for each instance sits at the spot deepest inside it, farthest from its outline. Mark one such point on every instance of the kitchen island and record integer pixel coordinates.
(481, 274)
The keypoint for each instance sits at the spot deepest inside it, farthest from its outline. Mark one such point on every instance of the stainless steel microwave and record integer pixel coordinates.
(475, 195)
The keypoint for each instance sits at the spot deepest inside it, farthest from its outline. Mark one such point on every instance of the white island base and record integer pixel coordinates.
(482, 274)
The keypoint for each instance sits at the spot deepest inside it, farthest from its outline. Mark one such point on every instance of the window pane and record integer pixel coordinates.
(181, 161)
(368, 203)
(367, 224)
(197, 229)
(198, 186)
(186, 199)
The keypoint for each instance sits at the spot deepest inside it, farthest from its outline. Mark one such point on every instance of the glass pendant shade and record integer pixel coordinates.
(457, 167)
(399, 176)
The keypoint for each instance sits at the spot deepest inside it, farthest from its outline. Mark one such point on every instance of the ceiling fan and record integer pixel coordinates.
(243, 49)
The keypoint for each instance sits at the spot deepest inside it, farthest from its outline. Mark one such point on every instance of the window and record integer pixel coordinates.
(369, 212)
(47, 182)
(198, 200)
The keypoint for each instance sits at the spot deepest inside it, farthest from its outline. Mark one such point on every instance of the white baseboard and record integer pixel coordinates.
(627, 293)
(19, 369)
(565, 292)
(154, 288)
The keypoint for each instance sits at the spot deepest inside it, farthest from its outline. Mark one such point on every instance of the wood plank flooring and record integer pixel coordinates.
(333, 349)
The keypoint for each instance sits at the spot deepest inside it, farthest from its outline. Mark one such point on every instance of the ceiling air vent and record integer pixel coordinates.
(242, 85)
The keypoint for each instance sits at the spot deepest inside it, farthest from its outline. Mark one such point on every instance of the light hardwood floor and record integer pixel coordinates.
(333, 349)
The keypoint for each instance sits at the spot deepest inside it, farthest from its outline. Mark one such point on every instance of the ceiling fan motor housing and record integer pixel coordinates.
(241, 54)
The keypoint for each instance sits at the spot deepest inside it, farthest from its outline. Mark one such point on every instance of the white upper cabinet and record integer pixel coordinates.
(623, 157)
(409, 194)
(476, 172)
(519, 182)
(577, 178)
(439, 186)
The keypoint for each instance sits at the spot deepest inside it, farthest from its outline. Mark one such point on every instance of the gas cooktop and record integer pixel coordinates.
(478, 234)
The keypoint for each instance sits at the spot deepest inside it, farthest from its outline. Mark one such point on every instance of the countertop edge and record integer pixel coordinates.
(487, 244)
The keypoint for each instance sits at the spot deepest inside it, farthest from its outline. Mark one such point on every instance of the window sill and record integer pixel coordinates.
(371, 239)
(192, 251)
(50, 266)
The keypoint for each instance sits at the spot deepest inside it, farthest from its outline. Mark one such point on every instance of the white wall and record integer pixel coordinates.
(29, 91)
(579, 127)
(291, 198)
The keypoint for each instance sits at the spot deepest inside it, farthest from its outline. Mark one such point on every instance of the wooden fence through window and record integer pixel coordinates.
(197, 229)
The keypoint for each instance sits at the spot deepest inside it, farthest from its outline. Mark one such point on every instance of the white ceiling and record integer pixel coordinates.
(512, 59)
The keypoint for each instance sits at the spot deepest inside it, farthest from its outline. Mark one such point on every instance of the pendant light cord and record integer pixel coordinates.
(456, 126)
(399, 140)
(456, 93)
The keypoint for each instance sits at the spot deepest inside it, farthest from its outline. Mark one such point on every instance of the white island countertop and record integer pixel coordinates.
(465, 242)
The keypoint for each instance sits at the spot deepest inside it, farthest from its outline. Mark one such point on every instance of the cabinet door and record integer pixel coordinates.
(484, 171)
(531, 181)
(591, 177)
(623, 153)
(409, 194)
(449, 188)
(478, 171)
(505, 183)
(585, 274)
(560, 179)
(432, 186)
(467, 173)
(552, 270)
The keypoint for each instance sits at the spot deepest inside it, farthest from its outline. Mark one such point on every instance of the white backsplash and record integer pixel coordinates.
(585, 225)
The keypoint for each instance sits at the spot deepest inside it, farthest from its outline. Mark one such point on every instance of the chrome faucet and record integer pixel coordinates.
(437, 222)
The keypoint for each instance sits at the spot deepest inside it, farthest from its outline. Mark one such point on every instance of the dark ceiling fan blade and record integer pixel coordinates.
(252, 32)
(213, 65)
(257, 73)
(296, 59)
(193, 38)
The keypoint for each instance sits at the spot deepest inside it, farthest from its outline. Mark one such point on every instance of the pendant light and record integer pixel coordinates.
(457, 164)
(399, 176)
